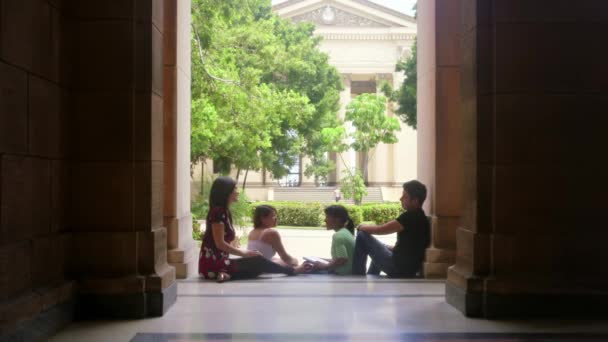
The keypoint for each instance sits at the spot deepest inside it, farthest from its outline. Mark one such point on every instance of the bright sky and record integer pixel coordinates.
(404, 6)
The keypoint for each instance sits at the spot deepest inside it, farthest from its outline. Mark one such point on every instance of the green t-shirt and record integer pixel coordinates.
(343, 246)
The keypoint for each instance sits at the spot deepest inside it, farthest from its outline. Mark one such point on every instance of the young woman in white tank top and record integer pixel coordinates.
(267, 240)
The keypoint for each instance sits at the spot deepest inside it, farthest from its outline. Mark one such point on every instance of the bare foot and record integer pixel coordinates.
(305, 267)
(222, 277)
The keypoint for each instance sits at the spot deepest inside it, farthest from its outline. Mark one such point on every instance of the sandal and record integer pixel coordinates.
(222, 277)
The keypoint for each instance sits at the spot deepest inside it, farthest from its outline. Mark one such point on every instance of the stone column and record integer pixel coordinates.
(306, 181)
(344, 100)
(439, 127)
(532, 239)
(115, 206)
(182, 250)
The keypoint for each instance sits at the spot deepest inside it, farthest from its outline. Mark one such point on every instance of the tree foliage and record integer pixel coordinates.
(406, 95)
(367, 113)
(353, 186)
(262, 92)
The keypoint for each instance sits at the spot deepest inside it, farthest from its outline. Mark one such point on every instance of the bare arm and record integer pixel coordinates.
(333, 263)
(273, 238)
(218, 237)
(388, 228)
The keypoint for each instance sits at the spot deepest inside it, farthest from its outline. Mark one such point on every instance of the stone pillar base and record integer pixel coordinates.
(130, 305)
(184, 260)
(437, 262)
(38, 314)
(496, 305)
(519, 296)
(183, 252)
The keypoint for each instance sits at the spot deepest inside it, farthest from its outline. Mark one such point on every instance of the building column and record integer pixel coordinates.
(182, 250)
(344, 100)
(306, 181)
(533, 234)
(119, 248)
(440, 159)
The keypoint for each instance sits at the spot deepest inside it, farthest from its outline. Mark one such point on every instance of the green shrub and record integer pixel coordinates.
(312, 215)
(381, 213)
(241, 210)
(295, 213)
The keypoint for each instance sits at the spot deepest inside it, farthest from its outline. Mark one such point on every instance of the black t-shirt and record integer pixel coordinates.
(412, 242)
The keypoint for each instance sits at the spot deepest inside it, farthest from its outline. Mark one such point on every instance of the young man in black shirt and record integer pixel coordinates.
(404, 260)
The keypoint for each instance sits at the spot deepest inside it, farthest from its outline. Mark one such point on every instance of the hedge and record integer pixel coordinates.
(296, 213)
(312, 214)
(381, 213)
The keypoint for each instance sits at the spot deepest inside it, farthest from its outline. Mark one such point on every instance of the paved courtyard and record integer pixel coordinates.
(323, 308)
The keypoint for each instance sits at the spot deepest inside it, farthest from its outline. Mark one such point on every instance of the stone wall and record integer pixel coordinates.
(81, 160)
(533, 233)
(35, 239)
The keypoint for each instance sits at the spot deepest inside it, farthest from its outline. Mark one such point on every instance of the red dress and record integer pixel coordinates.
(211, 259)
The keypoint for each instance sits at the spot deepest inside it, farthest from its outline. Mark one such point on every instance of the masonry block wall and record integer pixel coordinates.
(35, 239)
(81, 161)
(534, 96)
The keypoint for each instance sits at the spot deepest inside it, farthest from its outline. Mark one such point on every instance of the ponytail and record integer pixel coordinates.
(341, 213)
(350, 225)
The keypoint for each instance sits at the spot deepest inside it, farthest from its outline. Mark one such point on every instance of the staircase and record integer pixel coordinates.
(321, 195)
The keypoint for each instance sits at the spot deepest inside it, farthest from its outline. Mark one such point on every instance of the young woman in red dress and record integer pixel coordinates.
(214, 261)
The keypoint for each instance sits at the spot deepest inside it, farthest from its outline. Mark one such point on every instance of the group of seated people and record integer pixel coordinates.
(348, 253)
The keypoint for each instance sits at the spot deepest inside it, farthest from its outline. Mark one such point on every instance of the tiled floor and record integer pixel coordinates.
(324, 308)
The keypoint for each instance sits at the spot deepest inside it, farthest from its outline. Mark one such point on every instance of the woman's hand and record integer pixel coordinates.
(249, 254)
(340, 261)
(319, 265)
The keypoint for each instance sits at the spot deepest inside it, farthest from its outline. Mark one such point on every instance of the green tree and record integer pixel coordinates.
(366, 112)
(405, 96)
(269, 86)
(353, 186)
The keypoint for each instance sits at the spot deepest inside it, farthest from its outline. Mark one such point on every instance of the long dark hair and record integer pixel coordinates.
(341, 213)
(221, 189)
(260, 212)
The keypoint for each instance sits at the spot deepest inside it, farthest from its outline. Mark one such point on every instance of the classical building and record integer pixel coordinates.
(364, 42)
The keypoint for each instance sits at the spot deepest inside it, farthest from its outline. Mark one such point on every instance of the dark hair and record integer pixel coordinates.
(341, 213)
(416, 190)
(220, 192)
(262, 211)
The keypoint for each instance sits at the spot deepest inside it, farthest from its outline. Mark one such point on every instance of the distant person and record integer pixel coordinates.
(342, 241)
(219, 239)
(267, 240)
(404, 260)
(337, 195)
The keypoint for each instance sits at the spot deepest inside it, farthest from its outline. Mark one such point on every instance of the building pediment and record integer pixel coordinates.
(344, 13)
(330, 15)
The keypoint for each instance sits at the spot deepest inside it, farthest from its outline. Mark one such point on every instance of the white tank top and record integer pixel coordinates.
(267, 251)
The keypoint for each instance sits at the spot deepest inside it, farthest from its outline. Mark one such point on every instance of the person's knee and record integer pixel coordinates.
(362, 236)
